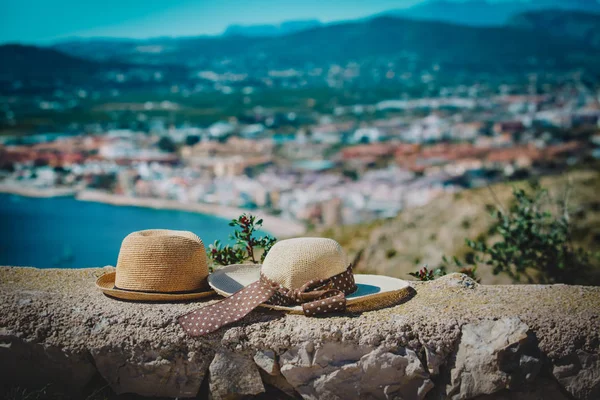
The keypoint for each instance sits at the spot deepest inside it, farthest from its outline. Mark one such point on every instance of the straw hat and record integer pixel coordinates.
(303, 275)
(159, 265)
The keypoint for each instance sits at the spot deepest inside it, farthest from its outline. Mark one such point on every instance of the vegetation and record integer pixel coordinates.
(166, 144)
(425, 274)
(535, 241)
(246, 245)
(369, 244)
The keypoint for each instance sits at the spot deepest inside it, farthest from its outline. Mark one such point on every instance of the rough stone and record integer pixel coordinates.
(266, 360)
(545, 389)
(233, 376)
(579, 374)
(151, 373)
(434, 360)
(34, 365)
(63, 330)
(339, 371)
(280, 383)
(492, 356)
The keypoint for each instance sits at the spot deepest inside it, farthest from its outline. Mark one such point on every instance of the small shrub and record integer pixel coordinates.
(245, 227)
(533, 238)
(425, 274)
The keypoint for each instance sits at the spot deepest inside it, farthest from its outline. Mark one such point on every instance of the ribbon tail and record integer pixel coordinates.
(330, 301)
(232, 309)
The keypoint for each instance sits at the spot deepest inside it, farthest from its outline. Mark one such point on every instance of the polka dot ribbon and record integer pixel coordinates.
(316, 296)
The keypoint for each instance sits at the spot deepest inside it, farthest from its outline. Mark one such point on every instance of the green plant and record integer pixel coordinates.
(535, 242)
(425, 274)
(246, 244)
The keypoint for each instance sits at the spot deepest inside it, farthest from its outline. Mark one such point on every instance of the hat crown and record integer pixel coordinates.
(162, 260)
(294, 262)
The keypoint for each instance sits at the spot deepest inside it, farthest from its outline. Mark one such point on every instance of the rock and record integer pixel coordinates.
(341, 371)
(280, 383)
(266, 360)
(579, 374)
(34, 365)
(70, 332)
(434, 360)
(149, 374)
(491, 356)
(233, 376)
(544, 389)
(457, 280)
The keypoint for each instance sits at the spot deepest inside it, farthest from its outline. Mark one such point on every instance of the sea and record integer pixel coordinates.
(62, 232)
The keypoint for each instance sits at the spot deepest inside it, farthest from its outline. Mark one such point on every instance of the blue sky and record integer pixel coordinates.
(43, 21)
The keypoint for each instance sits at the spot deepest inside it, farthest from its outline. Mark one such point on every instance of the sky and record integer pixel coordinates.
(45, 21)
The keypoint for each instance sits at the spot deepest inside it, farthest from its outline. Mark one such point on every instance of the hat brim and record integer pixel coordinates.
(374, 291)
(106, 283)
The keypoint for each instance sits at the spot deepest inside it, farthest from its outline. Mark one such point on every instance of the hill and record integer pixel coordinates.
(581, 26)
(283, 28)
(34, 63)
(486, 13)
(421, 236)
(419, 43)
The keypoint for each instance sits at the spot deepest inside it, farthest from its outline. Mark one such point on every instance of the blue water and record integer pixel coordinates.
(65, 233)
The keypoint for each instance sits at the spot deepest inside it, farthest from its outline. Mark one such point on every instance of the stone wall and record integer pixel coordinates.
(453, 339)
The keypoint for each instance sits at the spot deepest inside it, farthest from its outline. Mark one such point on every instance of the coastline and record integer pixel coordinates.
(29, 191)
(279, 227)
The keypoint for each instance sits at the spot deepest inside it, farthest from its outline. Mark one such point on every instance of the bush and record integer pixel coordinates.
(535, 241)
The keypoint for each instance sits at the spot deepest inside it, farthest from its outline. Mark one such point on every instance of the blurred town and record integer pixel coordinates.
(352, 164)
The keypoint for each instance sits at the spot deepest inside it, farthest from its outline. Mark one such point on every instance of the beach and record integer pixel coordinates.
(278, 227)
(30, 191)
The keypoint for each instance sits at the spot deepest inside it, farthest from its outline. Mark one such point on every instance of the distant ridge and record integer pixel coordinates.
(486, 13)
(283, 28)
(455, 47)
(578, 25)
(538, 41)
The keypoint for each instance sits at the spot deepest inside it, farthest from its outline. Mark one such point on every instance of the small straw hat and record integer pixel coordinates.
(309, 276)
(159, 265)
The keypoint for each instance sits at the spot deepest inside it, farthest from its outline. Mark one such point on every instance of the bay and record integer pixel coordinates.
(62, 232)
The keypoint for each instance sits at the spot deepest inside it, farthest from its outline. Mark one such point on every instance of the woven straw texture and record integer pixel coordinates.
(106, 283)
(162, 260)
(293, 262)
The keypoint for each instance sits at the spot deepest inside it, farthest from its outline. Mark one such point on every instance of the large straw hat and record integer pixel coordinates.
(293, 262)
(159, 265)
(303, 275)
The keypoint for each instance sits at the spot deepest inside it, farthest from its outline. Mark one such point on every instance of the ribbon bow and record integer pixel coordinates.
(316, 296)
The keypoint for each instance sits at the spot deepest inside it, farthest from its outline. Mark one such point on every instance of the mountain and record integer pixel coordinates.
(581, 26)
(34, 63)
(453, 47)
(485, 12)
(283, 28)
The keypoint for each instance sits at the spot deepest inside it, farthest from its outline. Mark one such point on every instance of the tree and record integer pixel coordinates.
(166, 144)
